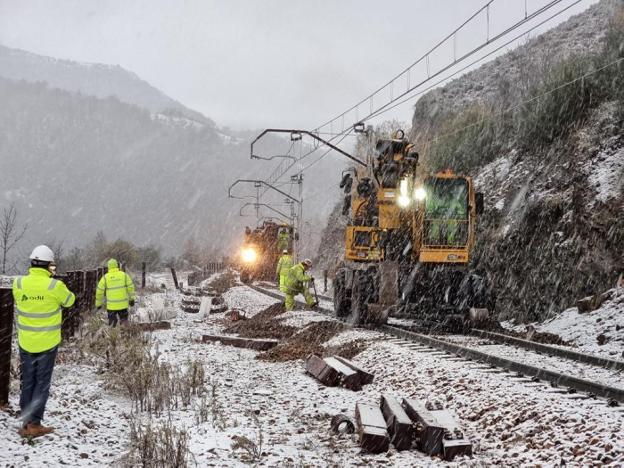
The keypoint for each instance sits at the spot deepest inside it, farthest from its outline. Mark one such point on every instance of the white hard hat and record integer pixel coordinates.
(43, 253)
(307, 261)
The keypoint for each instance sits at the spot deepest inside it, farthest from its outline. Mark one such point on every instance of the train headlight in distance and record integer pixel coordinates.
(249, 255)
(420, 194)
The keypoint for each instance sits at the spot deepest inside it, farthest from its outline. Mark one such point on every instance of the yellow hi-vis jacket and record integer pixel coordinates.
(38, 301)
(284, 264)
(295, 279)
(116, 287)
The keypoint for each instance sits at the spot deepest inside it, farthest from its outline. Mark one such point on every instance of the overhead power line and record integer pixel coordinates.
(425, 61)
(402, 99)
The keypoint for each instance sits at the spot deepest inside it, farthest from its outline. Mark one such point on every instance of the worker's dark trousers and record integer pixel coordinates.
(114, 316)
(36, 376)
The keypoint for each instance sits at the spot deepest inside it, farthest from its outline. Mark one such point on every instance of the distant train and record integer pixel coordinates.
(262, 248)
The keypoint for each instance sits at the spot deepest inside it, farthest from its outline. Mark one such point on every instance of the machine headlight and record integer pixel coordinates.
(249, 255)
(403, 201)
(420, 193)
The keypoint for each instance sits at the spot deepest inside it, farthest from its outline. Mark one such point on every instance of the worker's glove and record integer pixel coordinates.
(131, 302)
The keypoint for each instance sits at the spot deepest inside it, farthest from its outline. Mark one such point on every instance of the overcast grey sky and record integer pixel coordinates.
(252, 64)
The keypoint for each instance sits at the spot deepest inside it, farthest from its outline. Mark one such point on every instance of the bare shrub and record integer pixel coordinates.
(153, 386)
(157, 446)
(250, 450)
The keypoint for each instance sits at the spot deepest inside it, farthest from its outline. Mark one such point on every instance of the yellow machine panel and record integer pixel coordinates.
(444, 256)
(362, 244)
(389, 212)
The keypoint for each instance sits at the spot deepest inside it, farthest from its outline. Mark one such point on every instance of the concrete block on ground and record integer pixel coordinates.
(371, 428)
(239, 342)
(365, 376)
(439, 432)
(399, 424)
(332, 372)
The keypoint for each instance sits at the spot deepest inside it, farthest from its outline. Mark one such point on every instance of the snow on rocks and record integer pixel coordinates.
(605, 173)
(351, 335)
(299, 319)
(252, 302)
(585, 329)
(155, 307)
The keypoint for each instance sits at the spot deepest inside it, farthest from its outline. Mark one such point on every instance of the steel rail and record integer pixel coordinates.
(598, 361)
(555, 378)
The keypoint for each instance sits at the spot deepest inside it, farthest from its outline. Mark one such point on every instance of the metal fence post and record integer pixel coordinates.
(175, 278)
(91, 285)
(70, 280)
(143, 269)
(6, 333)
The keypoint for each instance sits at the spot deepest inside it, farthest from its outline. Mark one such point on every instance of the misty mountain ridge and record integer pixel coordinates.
(93, 79)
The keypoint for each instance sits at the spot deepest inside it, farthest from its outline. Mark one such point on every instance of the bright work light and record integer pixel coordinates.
(420, 194)
(249, 255)
(403, 201)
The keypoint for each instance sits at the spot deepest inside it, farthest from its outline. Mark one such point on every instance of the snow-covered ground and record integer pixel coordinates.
(285, 413)
(583, 329)
(588, 372)
(91, 423)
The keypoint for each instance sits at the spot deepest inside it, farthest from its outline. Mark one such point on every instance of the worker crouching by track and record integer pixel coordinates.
(297, 283)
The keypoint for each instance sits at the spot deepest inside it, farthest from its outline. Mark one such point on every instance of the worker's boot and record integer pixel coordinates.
(34, 430)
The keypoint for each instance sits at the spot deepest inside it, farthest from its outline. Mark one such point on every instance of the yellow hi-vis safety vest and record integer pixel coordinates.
(117, 287)
(38, 300)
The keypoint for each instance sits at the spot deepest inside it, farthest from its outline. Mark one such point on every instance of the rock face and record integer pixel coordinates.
(553, 230)
(504, 79)
(331, 249)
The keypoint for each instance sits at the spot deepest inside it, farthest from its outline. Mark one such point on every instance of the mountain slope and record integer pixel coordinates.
(89, 78)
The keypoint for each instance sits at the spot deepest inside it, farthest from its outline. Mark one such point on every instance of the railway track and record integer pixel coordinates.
(552, 380)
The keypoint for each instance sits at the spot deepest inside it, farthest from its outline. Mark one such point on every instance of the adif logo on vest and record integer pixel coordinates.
(31, 298)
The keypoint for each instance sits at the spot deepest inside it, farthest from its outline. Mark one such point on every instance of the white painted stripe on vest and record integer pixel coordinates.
(19, 282)
(52, 284)
(117, 300)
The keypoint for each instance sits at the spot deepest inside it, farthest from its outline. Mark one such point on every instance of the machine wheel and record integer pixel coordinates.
(361, 295)
(342, 295)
